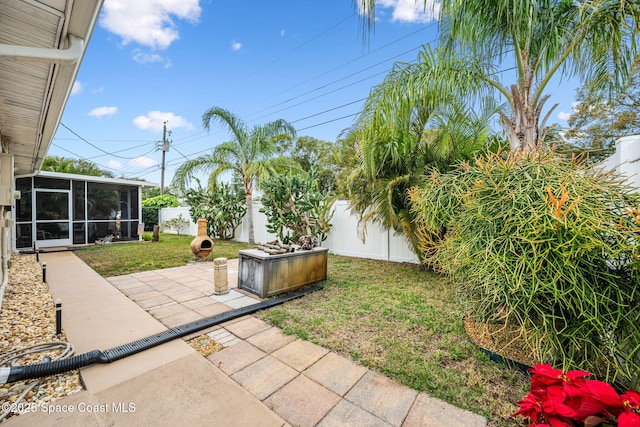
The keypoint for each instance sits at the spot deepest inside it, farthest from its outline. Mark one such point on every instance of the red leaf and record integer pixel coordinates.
(629, 419)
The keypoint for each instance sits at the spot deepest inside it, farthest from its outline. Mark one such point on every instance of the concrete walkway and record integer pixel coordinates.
(260, 378)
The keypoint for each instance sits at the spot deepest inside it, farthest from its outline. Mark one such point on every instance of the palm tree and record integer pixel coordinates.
(74, 166)
(593, 40)
(249, 154)
(395, 156)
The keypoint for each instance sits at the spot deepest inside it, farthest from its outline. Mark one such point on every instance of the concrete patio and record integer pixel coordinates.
(261, 377)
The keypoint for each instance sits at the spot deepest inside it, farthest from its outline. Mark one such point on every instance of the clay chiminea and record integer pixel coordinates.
(202, 245)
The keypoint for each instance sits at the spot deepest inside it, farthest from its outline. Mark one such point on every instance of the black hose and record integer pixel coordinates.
(50, 251)
(19, 373)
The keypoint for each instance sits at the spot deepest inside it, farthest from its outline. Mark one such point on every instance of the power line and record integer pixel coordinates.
(93, 145)
(329, 110)
(383, 62)
(298, 47)
(322, 95)
(349, 62)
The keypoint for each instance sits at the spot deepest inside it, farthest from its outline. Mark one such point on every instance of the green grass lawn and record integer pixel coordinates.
(397, 319)
(171, 251)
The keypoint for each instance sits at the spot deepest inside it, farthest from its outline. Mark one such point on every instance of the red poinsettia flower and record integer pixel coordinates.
(629, 419)
(596, 398)
(554, 404)
(631, 399)
(631, 415)
(530, 407)
(544, 375)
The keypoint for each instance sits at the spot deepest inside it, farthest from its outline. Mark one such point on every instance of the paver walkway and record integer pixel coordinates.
(260, 378)
(303, 383)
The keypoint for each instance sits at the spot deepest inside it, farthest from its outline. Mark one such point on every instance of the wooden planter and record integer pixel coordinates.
(267, 275)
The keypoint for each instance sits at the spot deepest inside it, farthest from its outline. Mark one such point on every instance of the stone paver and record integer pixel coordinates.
(176, 290)
(382, 397)
(211, 309)
(167, 310)
(137, 289)
(302, 402)
(124, 282)
(247, 327)
(157, 301)
(270, 340)
(187, 296)
(336, 373)
(243, 301)
(430, 412)
(264, 377)
(224, 337)
(231, 295)
(160, 284)
(198, 302)
(300, 354)
(234, 358)
(346, 414)
(141, 296)
(180, 319)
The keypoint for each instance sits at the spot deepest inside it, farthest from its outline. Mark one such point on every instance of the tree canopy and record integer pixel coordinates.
(595, 41)
(250, 154)
(596, 124)
(74, 166)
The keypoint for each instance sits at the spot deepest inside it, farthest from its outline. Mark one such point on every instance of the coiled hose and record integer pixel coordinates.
(65, 350)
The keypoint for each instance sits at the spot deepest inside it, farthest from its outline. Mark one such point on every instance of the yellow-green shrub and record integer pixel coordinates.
(546, 244)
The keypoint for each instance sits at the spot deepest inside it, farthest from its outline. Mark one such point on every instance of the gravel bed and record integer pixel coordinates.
(27, 318)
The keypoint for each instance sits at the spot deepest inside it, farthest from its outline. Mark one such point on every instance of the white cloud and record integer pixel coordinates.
(114, 164)
(154, 121)
(142, 57)
(148, 22)
(103, 111)
(282, 33)
(235, 46)
(146, 58)
(77, 87)
(143, 162)
(564, 116)
(407, 10)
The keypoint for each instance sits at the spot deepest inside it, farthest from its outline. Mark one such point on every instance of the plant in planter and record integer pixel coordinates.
(296, 209)
(222, 205)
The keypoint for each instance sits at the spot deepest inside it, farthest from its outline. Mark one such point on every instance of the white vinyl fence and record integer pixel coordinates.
(342, 239)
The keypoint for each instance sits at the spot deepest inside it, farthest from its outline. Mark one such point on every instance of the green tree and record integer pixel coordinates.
(221, 204)
(596, 124)
(312, 153)
(394, 156)
(152, 206)
(595, 41)
(74, 166)
(250, 154)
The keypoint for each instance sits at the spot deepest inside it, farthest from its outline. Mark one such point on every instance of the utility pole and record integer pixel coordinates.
(165, 148)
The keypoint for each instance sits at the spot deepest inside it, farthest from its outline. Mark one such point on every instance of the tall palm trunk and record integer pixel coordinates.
(524, 129)
(248, 193)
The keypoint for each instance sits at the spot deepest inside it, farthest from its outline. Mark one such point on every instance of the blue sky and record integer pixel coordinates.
(151, 61)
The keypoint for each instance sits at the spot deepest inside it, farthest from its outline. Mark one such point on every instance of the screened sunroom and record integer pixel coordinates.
(57, 209)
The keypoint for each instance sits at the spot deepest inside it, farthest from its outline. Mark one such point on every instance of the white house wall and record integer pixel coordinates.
(342, 239)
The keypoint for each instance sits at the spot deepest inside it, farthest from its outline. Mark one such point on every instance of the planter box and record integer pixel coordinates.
(266, 275)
